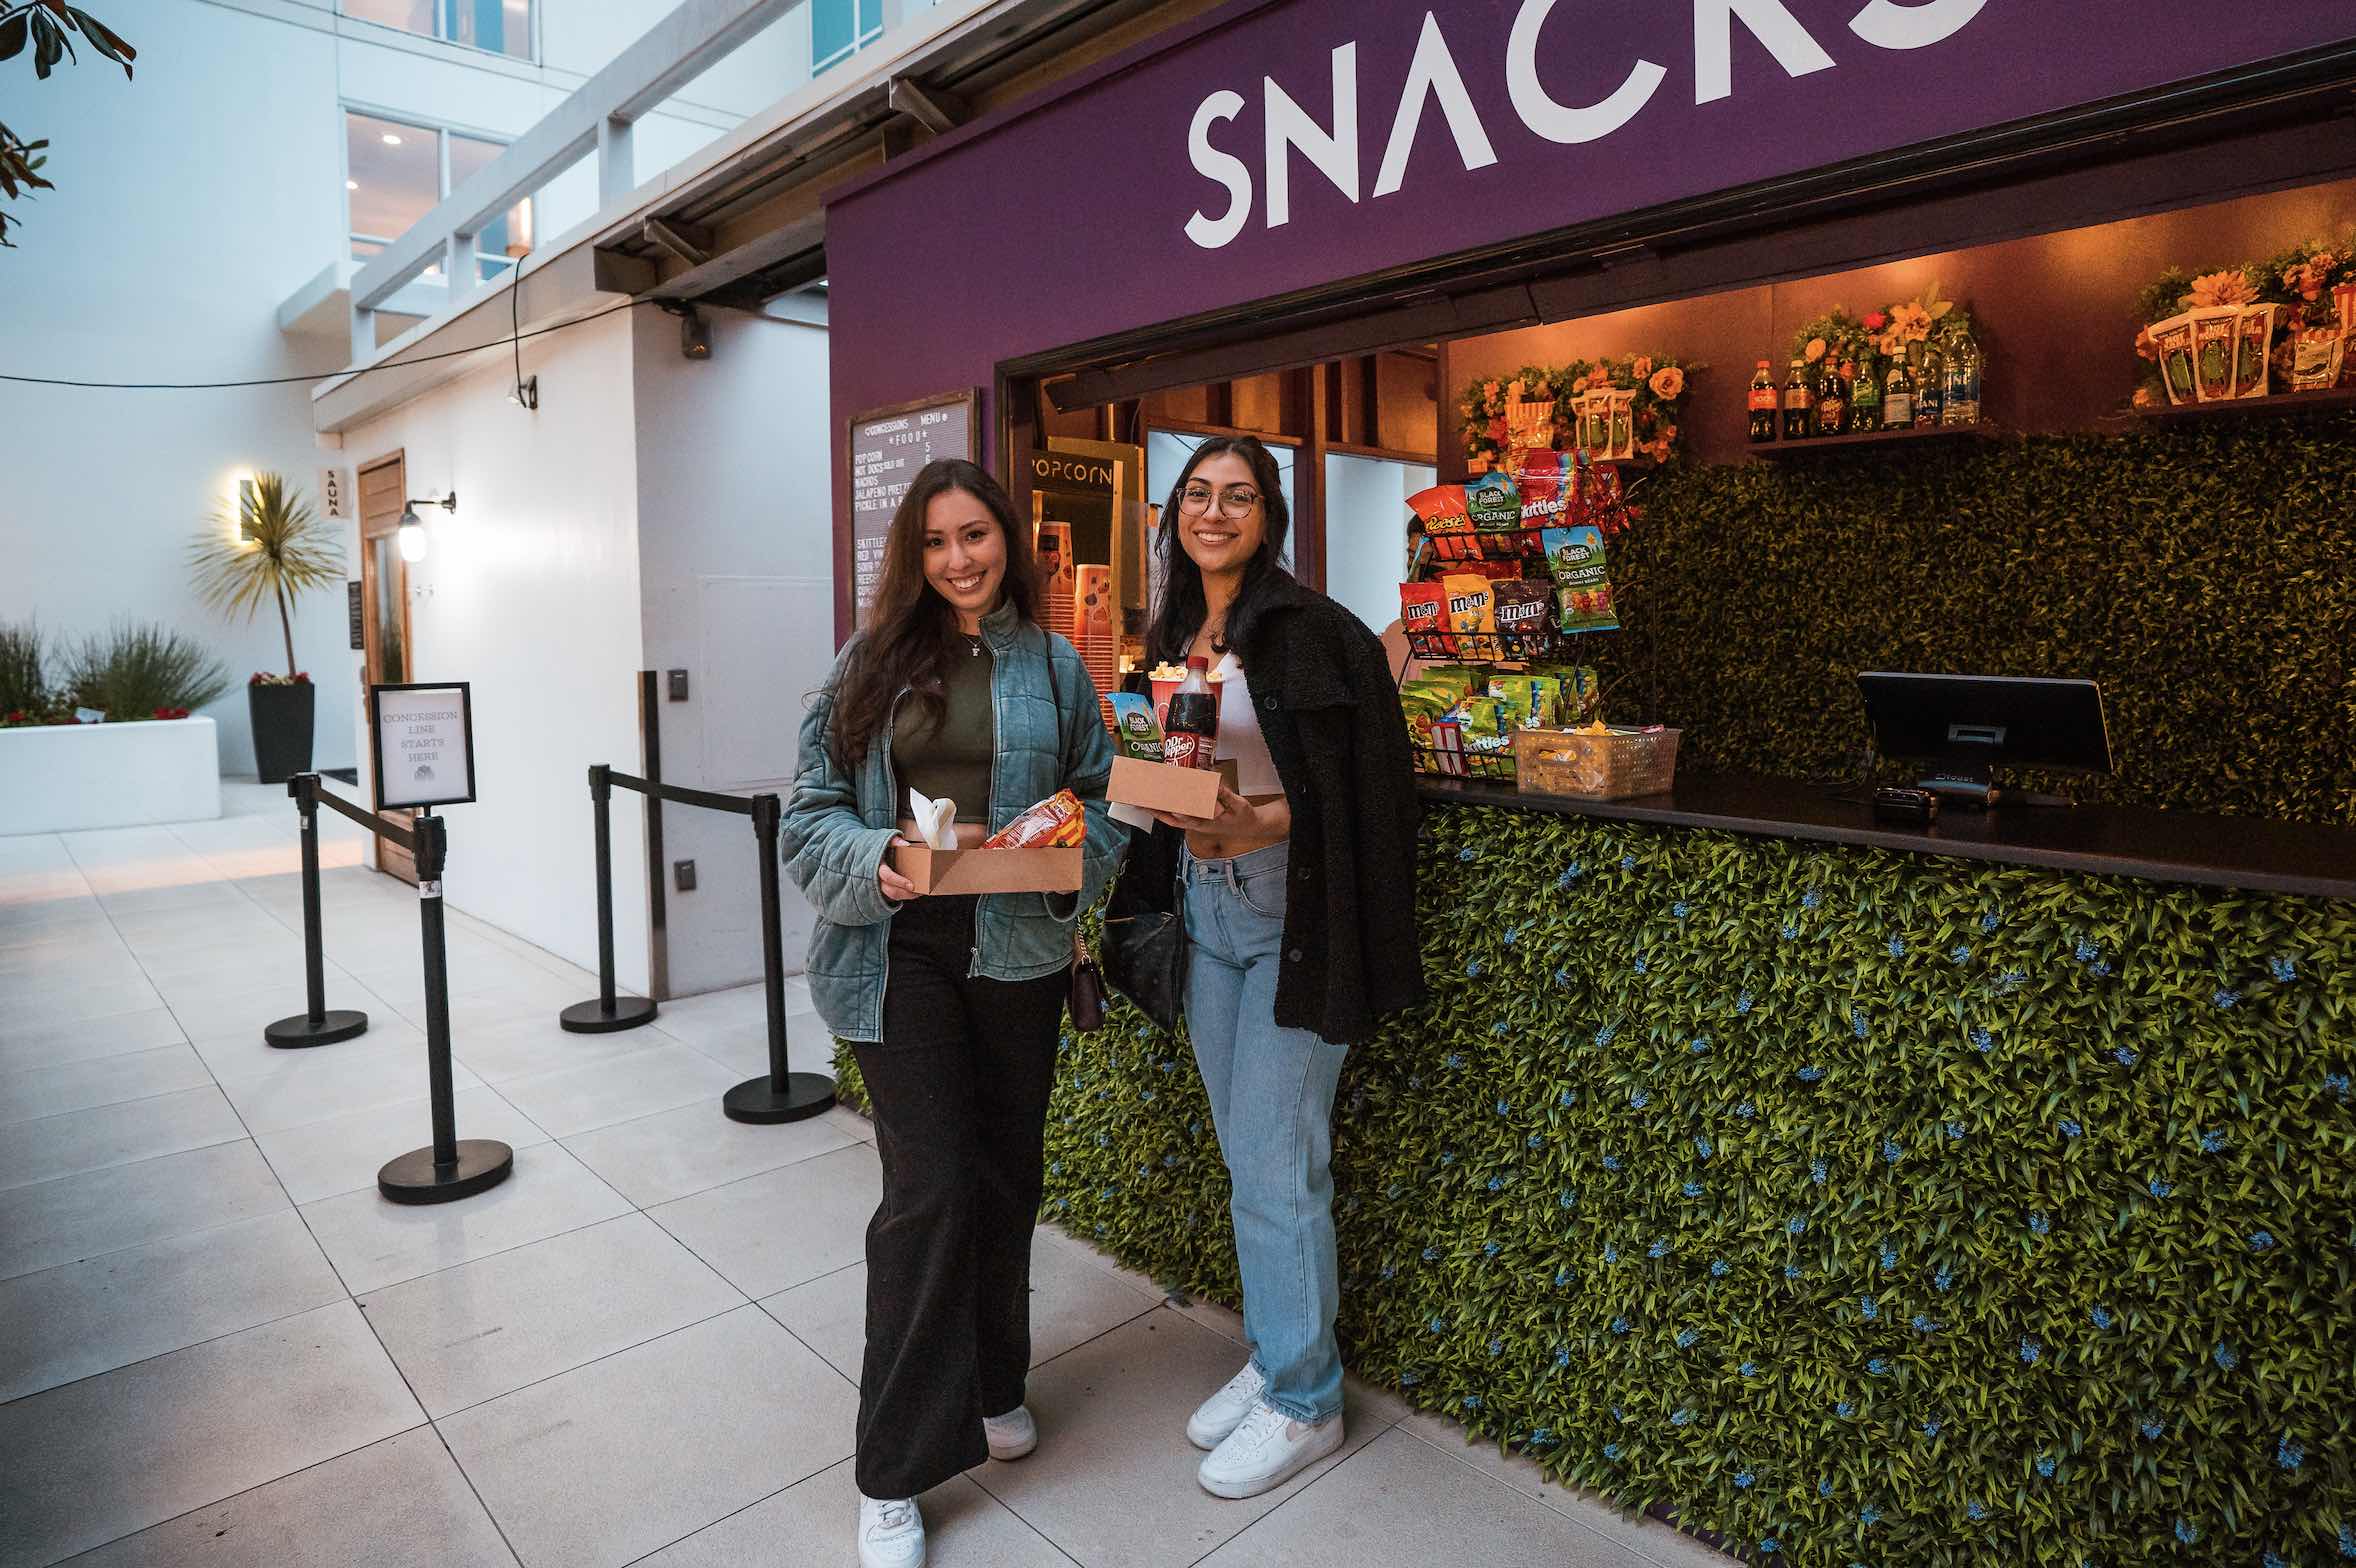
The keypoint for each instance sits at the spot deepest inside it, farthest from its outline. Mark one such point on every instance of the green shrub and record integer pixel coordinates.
(137, 668)
(1894, 1209)
(2200, 573)
(24, 669)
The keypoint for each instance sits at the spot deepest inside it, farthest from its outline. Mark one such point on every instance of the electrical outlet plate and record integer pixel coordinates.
(678, 680)
(683, 875)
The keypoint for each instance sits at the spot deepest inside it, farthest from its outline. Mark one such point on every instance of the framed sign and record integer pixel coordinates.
(422, 743)
(887, 447)
(334, 496)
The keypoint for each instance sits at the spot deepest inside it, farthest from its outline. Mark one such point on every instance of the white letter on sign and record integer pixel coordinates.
(1433, 73)
(1223, 167)
(1557, 122)
(1891, 26)
(1289, 126)
(1769, 22)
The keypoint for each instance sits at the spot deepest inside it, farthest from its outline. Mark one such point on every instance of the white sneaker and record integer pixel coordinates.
(1267, 1450)
(891, 1533)
(1011, 1435)
(1224, 1411)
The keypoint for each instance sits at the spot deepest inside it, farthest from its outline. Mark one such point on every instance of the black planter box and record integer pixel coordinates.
(281, 717)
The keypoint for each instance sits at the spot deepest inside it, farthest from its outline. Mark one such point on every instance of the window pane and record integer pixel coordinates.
(501, 26)
(394, 171)
(840, 28)
(410, 16)
(511, 234)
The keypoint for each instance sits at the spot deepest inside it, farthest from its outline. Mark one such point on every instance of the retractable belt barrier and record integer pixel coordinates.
(782, 1095)
(450, 1167)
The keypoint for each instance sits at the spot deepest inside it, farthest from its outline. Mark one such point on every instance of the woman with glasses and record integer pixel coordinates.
(951, 1003)
(1299, 910)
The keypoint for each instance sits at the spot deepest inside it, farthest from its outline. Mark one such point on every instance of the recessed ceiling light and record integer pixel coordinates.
(351, 185)
(390, 140)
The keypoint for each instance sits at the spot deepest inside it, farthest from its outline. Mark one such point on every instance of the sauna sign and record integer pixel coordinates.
(423, 744)
(1475, 88)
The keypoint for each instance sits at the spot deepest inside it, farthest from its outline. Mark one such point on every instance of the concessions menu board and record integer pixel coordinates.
(888, 446)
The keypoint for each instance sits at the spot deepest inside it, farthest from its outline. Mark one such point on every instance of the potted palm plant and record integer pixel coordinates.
(269, 546)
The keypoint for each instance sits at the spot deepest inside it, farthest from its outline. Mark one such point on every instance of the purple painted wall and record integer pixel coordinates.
(1067, 219)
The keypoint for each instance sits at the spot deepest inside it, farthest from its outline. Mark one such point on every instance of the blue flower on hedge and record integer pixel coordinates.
(1431, 1254)
(1744, 1479)
(1770, 1545)
(1611, 1162)
(1570, 873)
(1719, 1268)
(1453, 1060)
(1868, 1306)
(1472, 1401)
(1794, 1225)
(2288, 1455)
(2030, 1351)
(2226, 999)
(2260, 1240)
(1990, 921)
(2348, 1540)
(1818, 1171)
(2069, 1128)
(2101, 1317)
(1640, 1098)
(1659, 1249)
(1104, 1141)
(2272, 1560)
(1682, 1417)
(2336, 1083)
(2186, 1533)
(1490, 1249)
(2087, 951)
(1536, 1140)
(2212, 1141)
(1438, 1325)
(1619, 1325)
(1930, 1428)
(1678, 910)
(1954, 1131)
(2159, 1188)
(1541, 1436)
(1791, 931)
(1503, 1107)
(1857, 1023)
(1925, 1324)
(1169, 1160)
(1824, 1489)
(2283, 970)
(1562, 1276)
(1975, 1511)
(1981, 1040)
(1627, 862)
(1472, 970)
(1496, 1184)
(1562, 1355)
(1791, 1271)
(2153, 1428)
(1746, 1110)
(1686, 1337)
(1611, 1451)
(1603, 1035)
(1889, 1256)
(1562, 977)
(1810, 1074)
(1467, 853)
(1844, 1410)
(1742, 1004)
(1748, 1369)
(1879, 1366)
(2125, 1056)
(1511, 935)
(1699, 1044)
(2039, 1223)
(1611, 1253)
(1568, 1097)
(1693, 1189)
(1892, 1150)
(1447, 1156)
(1641, 964)
(1869, 1515)
(1496, 1347)
(1569, 1198)
(2226, 1357)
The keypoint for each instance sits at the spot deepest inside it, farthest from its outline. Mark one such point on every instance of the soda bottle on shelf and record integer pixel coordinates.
(1898, 397)
(1763, 405)
(1930, 389)
(1799, 405)
(1963, 385)
(1865, 397)
(1832, 402)
(1190, 726)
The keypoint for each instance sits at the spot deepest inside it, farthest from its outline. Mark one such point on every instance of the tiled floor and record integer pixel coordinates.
(218, 1344)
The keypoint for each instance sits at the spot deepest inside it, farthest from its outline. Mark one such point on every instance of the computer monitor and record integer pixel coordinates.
(1960, 726)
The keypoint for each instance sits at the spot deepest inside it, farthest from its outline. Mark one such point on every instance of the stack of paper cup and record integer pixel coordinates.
(1093, 635)
(1054, 547)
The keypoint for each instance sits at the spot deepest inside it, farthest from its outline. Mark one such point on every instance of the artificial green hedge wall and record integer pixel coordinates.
(2201, 573)
(1861, 1208)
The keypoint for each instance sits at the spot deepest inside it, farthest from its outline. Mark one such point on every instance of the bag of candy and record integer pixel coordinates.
(1583, 589)
(1055, 823)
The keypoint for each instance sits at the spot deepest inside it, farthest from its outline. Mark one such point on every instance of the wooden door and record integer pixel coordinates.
(384, 615)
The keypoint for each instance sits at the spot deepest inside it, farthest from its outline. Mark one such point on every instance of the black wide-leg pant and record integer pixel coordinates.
(959, 1086)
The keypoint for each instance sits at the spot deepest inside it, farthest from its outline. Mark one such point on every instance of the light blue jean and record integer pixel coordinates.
(1271, 1092)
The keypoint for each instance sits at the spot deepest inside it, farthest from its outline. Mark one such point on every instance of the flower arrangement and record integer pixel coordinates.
(2302, 281)
(1900, 328)
(1503, 415)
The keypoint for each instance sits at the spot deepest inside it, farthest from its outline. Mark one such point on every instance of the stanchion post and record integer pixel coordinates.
(315, 1025)
(451, 1167)
(607, 1013)
(783, 1095)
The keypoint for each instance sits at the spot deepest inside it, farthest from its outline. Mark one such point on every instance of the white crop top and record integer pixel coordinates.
(1240, 740)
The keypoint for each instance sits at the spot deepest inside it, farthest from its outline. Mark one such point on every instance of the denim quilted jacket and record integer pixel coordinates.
(838, 823)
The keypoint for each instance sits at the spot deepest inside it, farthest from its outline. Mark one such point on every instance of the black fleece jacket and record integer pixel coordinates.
(1330, 712)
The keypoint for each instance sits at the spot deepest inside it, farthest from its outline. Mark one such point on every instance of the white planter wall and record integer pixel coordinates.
(65, 778)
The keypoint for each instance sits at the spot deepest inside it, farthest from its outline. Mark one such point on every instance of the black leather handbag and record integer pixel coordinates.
(1085, 1000)
(1145, 952)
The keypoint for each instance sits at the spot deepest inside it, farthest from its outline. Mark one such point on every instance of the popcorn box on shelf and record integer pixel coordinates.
(1036, 870)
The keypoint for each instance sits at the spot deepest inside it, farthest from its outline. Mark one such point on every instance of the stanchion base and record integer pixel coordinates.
(483, 1163)
(590, 1017)
(337, 1023)
(755, 1100)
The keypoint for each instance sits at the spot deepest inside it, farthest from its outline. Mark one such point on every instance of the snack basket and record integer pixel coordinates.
(1611, 764)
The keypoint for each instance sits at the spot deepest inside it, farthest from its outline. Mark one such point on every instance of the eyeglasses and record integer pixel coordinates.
(1235, 503)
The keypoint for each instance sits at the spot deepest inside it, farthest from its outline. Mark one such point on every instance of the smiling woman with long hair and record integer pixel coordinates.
(1298, 900)
(951, 1004)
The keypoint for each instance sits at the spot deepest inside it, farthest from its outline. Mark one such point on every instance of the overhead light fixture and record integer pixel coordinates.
(390, 140)
(411, 535)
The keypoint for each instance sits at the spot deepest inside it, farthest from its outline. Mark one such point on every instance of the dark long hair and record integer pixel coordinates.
(906, 643)
(1179, 611)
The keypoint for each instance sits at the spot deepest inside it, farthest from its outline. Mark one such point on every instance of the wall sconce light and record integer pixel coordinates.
(411, 535)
